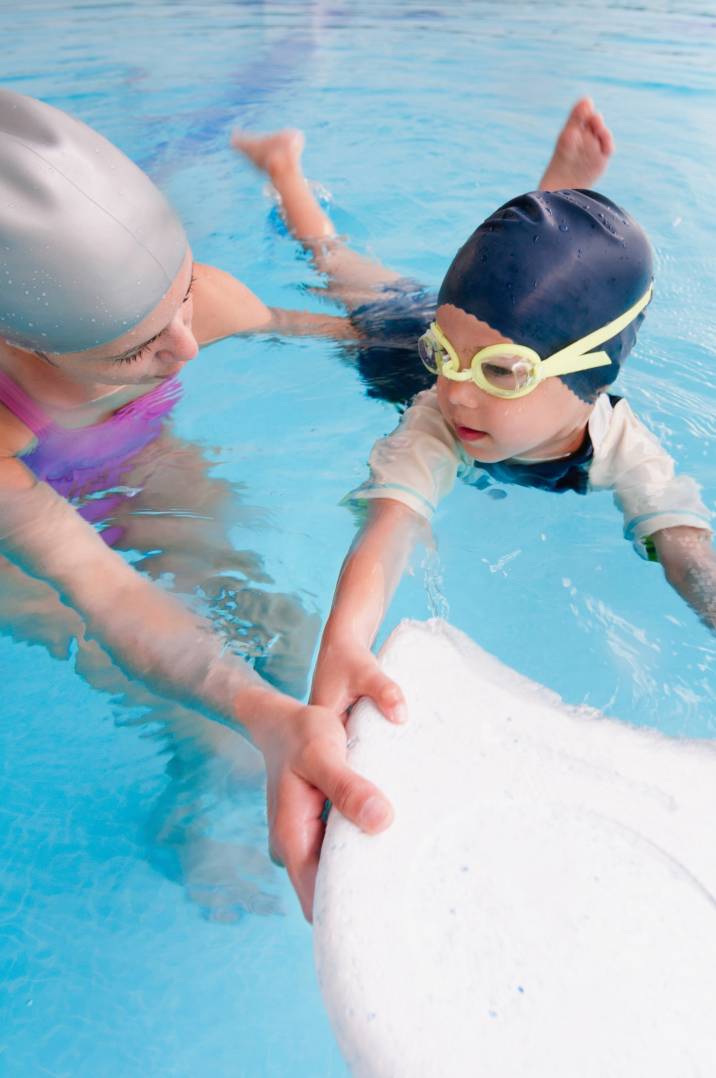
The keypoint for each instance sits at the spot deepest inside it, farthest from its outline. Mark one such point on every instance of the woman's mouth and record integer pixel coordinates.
(467, 434)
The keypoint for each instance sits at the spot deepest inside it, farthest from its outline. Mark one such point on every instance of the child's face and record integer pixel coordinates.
(549, 422)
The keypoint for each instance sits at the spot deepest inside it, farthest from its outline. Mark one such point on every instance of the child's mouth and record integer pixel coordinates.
(467, 434)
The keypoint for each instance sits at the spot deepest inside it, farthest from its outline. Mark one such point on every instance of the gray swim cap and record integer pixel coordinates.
(88, 244)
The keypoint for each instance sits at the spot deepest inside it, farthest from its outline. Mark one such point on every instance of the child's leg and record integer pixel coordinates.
(353, 278)
(582, 151)
(580, 155)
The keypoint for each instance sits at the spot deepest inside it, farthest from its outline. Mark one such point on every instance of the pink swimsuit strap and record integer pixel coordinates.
(77, 458)
(17, 401)
(82, 461)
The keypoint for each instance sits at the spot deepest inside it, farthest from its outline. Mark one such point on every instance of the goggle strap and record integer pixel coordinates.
(599, 336)
(575, 357)
(566, 365)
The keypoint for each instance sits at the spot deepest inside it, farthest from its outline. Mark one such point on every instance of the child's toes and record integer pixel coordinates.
(583, 109)
(601, 133)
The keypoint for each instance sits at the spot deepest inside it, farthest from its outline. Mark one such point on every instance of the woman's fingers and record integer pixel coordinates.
(354, 796)
(297, 829)
(296, 836)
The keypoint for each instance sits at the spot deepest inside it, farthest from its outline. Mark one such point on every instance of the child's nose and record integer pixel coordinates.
(464, 394)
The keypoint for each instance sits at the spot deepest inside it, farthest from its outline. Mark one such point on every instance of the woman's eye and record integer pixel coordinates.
(187, 297)
(132, 358)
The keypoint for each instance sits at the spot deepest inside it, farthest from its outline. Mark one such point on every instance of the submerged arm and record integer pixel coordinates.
(224, 307)
(153, 637)
(150, 634)
(689, 564)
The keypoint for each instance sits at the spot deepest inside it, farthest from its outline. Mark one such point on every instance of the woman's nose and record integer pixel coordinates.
(179, 343)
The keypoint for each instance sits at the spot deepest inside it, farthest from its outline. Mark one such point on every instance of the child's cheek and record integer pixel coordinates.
(443, 404)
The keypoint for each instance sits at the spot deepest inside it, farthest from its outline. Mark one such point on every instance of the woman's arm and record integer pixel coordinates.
(148, 632)
(153, 637)
(224, 307)
(689, 563)
(346, 668)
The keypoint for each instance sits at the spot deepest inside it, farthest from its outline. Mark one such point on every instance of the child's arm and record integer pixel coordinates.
(664, 515)
(346, 667)
(410, 472)
(224, 307)
(689, 564)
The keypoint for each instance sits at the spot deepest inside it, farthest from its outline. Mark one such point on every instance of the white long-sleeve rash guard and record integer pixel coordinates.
(418, 463)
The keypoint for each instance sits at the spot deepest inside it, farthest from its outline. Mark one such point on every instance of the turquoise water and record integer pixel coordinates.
(420, 119)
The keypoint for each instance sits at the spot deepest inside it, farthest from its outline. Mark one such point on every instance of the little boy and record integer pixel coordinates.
(535, 316)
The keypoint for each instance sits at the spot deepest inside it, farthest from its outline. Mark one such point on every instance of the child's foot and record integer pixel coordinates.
(276, 154)
(582, 150)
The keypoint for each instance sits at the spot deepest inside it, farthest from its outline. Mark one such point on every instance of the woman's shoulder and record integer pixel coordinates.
(223, 306)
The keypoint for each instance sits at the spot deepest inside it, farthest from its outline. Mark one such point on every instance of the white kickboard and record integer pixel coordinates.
(543, 904)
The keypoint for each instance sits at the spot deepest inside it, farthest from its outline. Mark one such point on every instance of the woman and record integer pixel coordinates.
(100, 308)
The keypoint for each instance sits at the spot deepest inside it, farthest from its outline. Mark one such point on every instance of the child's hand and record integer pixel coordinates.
(347, 671)
(305, 753)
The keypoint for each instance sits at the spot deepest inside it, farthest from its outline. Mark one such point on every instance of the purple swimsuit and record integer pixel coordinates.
(86, 460)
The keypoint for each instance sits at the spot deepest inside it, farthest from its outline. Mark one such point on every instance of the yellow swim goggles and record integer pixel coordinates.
(513, 370)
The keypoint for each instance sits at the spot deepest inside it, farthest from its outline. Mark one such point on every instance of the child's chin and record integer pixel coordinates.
(485, 452)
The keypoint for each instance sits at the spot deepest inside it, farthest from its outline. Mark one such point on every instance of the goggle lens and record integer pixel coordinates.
(508, 374)
(431, 354)
(504, 373)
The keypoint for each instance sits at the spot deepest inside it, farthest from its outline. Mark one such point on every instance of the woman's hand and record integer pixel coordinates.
(305, 752)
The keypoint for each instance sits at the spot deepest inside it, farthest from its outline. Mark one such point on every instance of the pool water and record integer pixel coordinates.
(142, 929)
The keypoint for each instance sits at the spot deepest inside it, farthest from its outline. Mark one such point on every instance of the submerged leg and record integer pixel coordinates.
(353, 278)
(214, 776)
(580, 156)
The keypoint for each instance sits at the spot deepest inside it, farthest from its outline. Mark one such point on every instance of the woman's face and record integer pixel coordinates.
(155, 349)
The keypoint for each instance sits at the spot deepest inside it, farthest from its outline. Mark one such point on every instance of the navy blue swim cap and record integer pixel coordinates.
(550, 267)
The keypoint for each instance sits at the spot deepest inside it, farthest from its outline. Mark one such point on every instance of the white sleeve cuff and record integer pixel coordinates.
(640, 529)
(396, 492)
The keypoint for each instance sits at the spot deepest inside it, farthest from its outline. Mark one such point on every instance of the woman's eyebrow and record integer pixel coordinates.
(138, 347)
